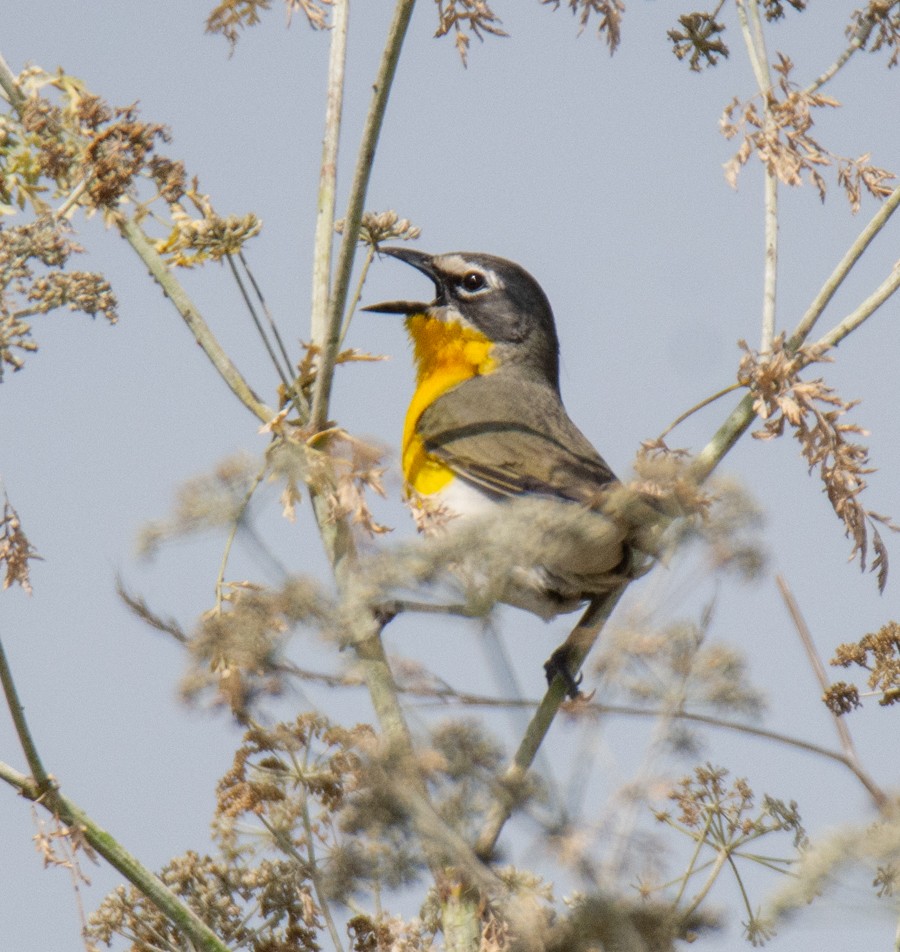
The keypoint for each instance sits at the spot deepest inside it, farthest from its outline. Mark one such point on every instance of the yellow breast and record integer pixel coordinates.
(445, 354)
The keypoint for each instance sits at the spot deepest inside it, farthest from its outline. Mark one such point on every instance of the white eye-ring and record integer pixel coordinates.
(473, 281)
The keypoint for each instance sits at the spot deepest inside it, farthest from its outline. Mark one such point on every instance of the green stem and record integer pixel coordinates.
(579, 644)
(150, 885)
(836, 278)
(364, 161)
(39, 774)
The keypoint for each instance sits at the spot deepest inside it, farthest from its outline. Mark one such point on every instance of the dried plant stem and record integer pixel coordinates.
(364, 160)
(42, 789)
(324, 236)
(755, 41)
(843, 732)
(39, 775)
(135, 236)
(837, 277)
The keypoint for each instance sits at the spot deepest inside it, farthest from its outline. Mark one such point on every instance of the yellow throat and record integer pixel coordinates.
(445, 354)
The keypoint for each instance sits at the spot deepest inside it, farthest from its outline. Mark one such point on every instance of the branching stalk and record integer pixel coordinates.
(41, 789)
(364, 160)
(864, 311)
(837, 277)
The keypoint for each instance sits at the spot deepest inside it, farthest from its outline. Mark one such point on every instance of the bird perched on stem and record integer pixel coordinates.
(486, 434)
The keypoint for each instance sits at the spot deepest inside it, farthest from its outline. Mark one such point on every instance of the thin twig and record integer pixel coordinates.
(837, 277)
(10, 85)
(364, 161)
(269, 320)
(581, 640)
(699, 406)
(229, 542)
(285, 375)
(821, 674)
(357, 294)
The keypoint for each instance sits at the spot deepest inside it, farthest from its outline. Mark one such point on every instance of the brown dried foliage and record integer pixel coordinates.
(15, 549)
(779, 134)
(814, 412)
(463, 16)
(378, 227)
(332, 462)
(609, 13)
(231, 16)
(879, 654)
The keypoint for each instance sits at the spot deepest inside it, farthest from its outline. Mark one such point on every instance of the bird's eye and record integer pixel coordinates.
(473, 281)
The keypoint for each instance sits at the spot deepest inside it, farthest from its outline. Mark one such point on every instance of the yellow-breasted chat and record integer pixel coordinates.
(486, 426)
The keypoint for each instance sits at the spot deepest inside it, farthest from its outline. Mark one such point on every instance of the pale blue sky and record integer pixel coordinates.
(603, 178)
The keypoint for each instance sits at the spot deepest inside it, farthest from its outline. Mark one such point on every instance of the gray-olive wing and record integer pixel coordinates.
(512, 435)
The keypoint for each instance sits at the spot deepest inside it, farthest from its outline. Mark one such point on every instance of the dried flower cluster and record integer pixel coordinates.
(231, 16)
(462, 16)
(264, 908)
(193, 241)
(378, 227)
(15, 549)
(725, 820)
(779, 134)
(814, 412)
(774, 9)
(85, 140)
(238, 646)
(209, 501)
(336, 465)
(33, 281)
(324, 799)
(675, 665)
(610, 14)
(879, 654)
(698, 37)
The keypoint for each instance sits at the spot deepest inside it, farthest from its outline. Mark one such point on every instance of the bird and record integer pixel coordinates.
(486, 431)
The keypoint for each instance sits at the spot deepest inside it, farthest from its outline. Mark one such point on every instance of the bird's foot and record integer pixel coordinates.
(558, 664)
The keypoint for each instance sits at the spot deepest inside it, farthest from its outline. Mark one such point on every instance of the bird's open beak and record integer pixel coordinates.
(421, 262)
